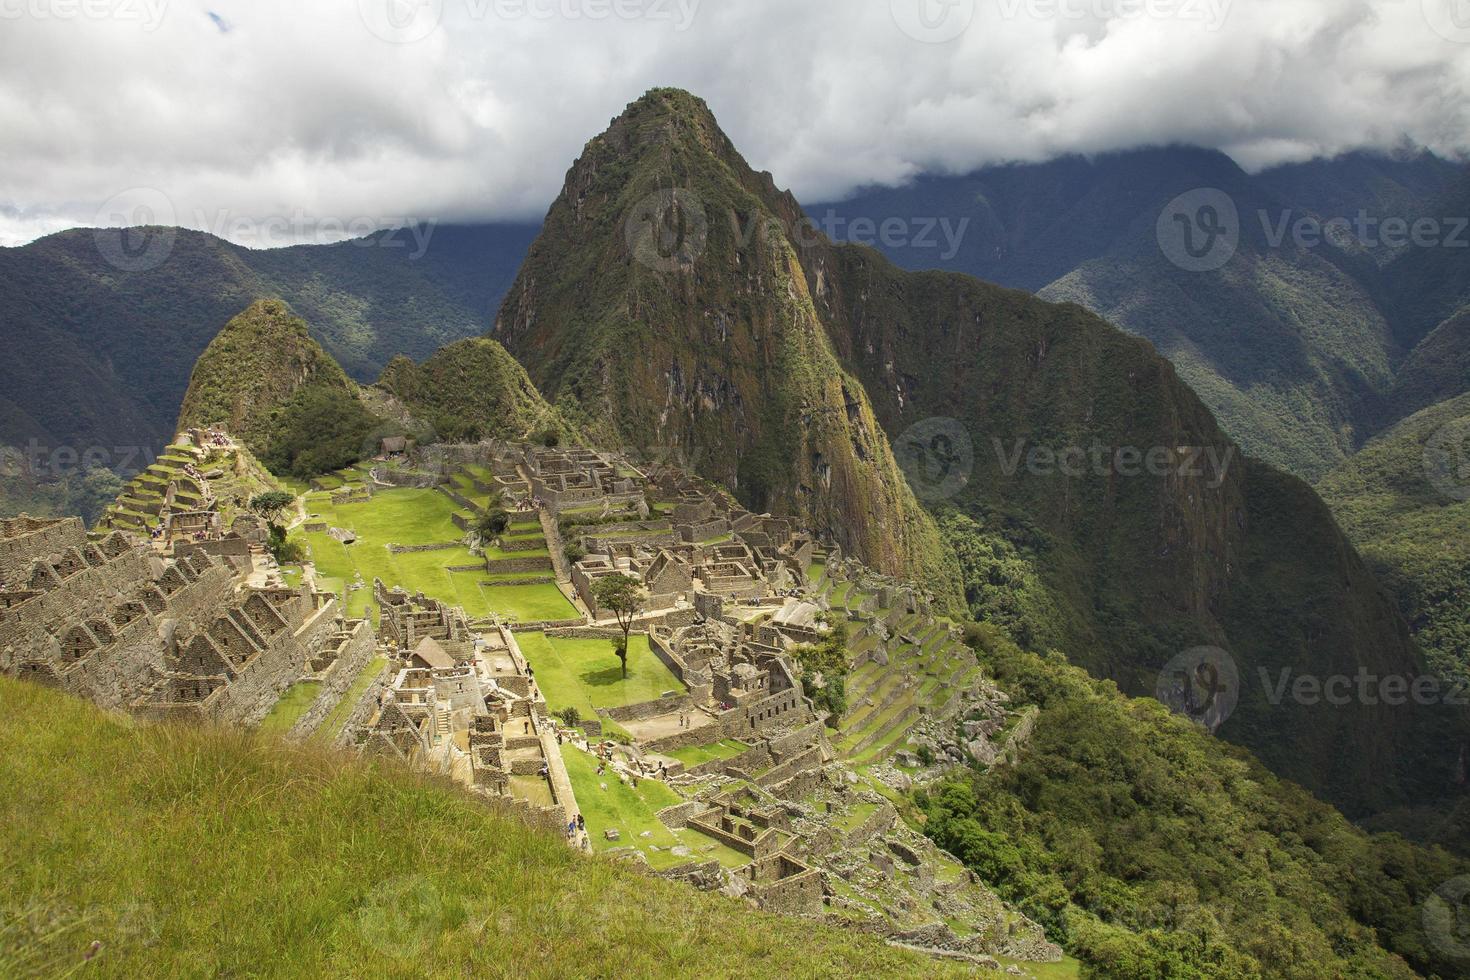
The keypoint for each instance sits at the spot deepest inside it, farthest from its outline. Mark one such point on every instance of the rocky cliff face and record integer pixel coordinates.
(661, 312)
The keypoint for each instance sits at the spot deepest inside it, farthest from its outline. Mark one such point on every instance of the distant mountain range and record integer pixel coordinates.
(1313, 336)
(101, 332)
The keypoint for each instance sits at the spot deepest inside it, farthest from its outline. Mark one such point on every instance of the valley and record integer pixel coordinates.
(730, 570)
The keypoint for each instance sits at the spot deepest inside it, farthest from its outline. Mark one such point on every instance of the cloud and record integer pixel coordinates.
(270, 121)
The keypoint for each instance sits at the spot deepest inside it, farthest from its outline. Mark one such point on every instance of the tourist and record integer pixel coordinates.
(581, 824)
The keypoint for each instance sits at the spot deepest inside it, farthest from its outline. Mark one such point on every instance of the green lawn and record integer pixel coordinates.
(633, 812)
(411, 517)
(586, 675)
(291, 707)
(694, 755)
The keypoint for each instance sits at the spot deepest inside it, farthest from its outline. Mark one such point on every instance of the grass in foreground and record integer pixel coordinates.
(179, 851)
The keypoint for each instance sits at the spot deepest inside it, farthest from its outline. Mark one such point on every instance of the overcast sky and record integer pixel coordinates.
(271, 122)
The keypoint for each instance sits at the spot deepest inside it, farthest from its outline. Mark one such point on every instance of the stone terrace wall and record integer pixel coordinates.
(339, 677)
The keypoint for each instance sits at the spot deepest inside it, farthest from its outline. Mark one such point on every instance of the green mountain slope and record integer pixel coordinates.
(657, 311)
(1404, 500)
(152, 850)
(98, 355)
(471, 389)
(273, 387)
(1208, 548)
(1437, 369)
(1150, 849)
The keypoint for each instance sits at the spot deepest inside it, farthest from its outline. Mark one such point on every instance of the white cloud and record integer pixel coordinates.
(298, 113)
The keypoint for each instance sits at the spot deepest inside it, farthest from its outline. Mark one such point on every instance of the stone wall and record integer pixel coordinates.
(23, 539)
(356, 654)
(269, 673)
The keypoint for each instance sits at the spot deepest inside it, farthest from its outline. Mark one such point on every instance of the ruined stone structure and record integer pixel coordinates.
(406, 620)
(113, 621)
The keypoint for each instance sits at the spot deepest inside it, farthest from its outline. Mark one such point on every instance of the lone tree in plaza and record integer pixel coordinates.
(270, 506)
(623, 596)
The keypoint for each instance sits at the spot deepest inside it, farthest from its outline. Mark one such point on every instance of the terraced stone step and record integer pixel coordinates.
(901, 715)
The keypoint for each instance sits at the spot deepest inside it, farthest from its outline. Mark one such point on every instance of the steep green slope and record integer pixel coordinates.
(137, 850)
(1150, 849)
(1203, 546)
(472, 389)
(1404, 500)
(273, 387)
(658, 309)
(1437, 369)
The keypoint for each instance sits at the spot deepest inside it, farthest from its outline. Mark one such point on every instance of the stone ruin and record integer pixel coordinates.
(113, 621)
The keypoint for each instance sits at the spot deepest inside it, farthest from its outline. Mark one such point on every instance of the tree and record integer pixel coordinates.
(623, 596)
(492, 523)
(270, 505)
